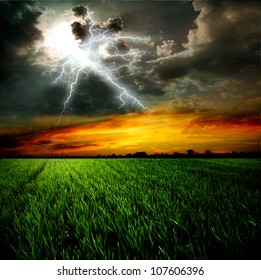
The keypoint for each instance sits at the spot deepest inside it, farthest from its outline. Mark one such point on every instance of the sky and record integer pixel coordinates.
(81, 78)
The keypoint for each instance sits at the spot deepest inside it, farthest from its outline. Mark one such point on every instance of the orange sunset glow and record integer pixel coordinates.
(153, 132)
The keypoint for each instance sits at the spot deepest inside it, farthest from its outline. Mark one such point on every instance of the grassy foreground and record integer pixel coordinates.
(130, 208)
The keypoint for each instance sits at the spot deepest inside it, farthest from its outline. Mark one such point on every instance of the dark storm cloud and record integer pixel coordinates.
(161, 20)
(18, 30)
(226, 40)
(96, 98)
(122, 47)
(80, 11)
(12, 144)
(114, 25)
(169, 70)
(48, 100)
(18, 20)
(80, 31)
(10, 141)
(17, 143)
(93, 97)
(139, 85)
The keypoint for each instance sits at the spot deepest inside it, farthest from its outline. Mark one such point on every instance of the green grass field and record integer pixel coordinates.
(130, 208)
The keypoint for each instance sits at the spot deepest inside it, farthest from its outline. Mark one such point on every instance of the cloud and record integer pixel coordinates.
(18, 22)
(226, 40)
(113, 24)
(16, 143)
(192, 104)
(80, 11)
(43, 142)
(80, 31)
(167, 69)
(229, 46)
(226, 120)
(9, 141)
(19, 35)
(166, 49)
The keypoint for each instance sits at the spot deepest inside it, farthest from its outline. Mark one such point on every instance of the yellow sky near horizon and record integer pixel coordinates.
(155, 131)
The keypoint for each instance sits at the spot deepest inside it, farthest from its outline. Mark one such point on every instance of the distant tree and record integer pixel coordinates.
(140, 154)
(191, 152)
(208, 152)
(177, 154)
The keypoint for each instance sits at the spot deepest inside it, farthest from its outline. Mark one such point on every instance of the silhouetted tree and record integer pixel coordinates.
(140, 154)
(191, 152)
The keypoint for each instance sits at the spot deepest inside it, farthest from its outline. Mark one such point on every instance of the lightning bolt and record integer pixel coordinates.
(92, 56)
